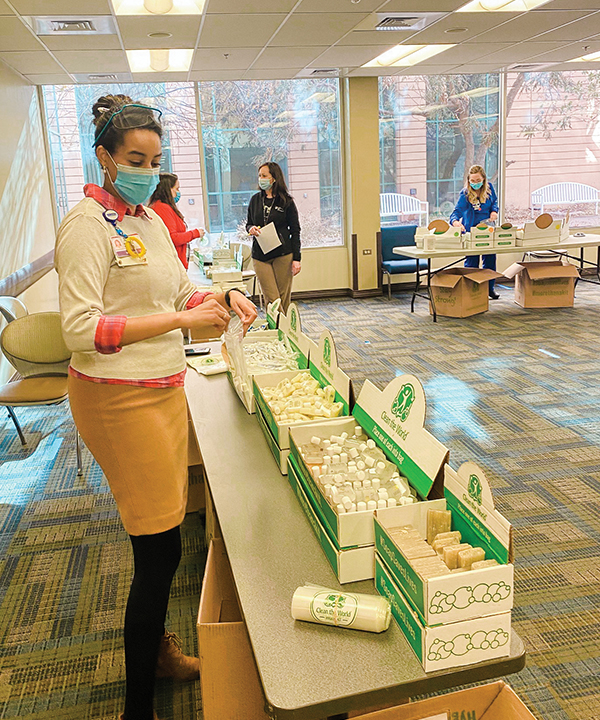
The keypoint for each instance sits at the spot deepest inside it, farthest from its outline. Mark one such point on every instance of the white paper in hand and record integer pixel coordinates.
(268, 238)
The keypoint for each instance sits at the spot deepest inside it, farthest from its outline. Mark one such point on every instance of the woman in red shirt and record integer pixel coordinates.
(163, 202)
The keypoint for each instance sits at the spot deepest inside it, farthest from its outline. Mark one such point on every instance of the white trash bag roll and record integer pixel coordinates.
(332, 607)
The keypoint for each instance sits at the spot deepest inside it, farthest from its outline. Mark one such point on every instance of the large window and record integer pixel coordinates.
(71, 133)
(293, 122)
(553, 146)
(432, 129)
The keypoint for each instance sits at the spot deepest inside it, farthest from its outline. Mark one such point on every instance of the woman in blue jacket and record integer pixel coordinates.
(477, 202)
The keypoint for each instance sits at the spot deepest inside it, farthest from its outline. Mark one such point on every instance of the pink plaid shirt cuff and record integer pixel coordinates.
(196, 299)
(109, 332)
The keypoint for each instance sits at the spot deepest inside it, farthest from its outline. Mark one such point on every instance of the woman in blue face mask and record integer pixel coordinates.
(164, 203)
(124, 300)
(477, 202)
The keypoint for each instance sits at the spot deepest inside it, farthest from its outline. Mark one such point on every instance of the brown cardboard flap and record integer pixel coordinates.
(484, 275)
(496, 701)
(544, 271)
(445, 279)
(513, 270)
(218, 599)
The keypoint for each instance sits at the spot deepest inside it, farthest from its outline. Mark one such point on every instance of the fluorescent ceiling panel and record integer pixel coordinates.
(140, 7)
(149, 61)
(501, 5)
(592, 57)
(406, 55)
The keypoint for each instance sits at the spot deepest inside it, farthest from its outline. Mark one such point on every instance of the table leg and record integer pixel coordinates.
(581, 259)
(598, 262)
(429, 289)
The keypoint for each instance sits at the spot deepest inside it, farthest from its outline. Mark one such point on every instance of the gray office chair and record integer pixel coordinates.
(11, 308)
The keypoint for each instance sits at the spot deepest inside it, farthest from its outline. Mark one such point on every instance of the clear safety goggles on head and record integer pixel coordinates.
(123, 119)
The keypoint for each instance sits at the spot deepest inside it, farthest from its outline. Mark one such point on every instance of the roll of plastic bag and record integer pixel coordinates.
(350, 610)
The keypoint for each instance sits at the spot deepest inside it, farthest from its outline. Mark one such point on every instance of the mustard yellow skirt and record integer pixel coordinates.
(139, 437)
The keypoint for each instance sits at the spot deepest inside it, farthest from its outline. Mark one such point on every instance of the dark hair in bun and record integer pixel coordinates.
(112, 132)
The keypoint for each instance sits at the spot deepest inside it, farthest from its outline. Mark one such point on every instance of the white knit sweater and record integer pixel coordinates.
(91, 284)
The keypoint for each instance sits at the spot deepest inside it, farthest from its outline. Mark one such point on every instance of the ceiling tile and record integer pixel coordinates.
(160, 77)
(476, 68)
(466, 52)
(518, 52)
(375, 37)
(247, 6)
(83, 42)
(372, 72)
(214, 58)
(93, 61)
(475, 24)
(316, 28)
(578, 30)
(570, 5)
(31, 62)
(347, 56)
(277, 74)
(402, 6)
(50, 79)
(527, 26)
(15, 36)
(238, 30)
(339, 6)
(134, 31)
(216, 75)
(280, 57)
(4, 9)
(428, 70)
(62, 7)
(568, 52)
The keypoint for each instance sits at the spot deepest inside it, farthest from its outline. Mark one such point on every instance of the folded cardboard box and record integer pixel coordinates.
(460, 595)
(461, 292)
(543, 284)
(449, 645)
(289, 325)
(229, 680)
(349, 564)
(495, 701)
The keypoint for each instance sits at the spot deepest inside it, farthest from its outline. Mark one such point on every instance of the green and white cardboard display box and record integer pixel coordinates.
(353, 529)
(291, 326)
(324, 368)
(456, 596)
(448, 645)
(350, 565)
(240, 379)
(505, 237)
(273, 314)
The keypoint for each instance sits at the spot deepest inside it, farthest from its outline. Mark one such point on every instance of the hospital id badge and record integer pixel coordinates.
(122, 256)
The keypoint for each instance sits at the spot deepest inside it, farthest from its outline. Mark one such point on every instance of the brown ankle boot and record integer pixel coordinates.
(172, 663)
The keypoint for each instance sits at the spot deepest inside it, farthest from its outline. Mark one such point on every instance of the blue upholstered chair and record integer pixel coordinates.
(391, 264)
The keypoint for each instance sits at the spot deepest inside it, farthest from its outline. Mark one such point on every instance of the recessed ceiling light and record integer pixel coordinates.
(158, 7)
(160, 35)
(592, 57)
(501, 5)
(159, 60)
(406, 55)
(456, 30)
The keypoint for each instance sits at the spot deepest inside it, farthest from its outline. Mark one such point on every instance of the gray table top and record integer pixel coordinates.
(573, 243)
(308, 671)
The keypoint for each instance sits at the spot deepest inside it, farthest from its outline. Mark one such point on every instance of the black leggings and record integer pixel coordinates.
(156, 558)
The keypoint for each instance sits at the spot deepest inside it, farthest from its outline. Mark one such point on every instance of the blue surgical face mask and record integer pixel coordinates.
(476, 186)
(177, 197)
(264, 183)
(135, 185)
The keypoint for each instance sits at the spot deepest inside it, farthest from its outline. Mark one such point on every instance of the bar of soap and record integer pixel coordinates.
(480, 564)
(439, 545)
(467, 557)
(450, 554)
(438, 521)
(452, 534)
(429, 567)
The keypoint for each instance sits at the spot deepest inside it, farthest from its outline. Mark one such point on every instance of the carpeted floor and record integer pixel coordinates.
(516, 391)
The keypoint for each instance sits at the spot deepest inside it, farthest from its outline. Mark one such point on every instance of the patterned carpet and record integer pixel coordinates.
(517, 391)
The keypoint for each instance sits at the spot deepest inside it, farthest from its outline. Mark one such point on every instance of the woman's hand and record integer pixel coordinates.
(493, 216)
(254, 230)
(296, 267)
(209, 315)
(458, 224)
(201, 233)
(245, 309)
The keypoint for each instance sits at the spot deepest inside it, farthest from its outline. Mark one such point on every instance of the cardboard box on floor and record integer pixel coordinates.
(324, 368)
(496, 701)
(229, 680)
(543, 284)
(461, 292)
(196, 478)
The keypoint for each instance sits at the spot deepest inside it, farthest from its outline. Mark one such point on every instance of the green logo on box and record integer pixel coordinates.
(474, 489)
(293, 320)
(327, 352)
(404, 401)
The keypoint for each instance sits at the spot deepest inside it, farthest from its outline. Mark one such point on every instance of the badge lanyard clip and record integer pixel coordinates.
(134, 245)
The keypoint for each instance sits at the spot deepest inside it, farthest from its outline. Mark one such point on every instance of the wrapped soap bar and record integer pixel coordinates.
(430, 567)
(445, 535)
(438, 521)
(467, 557)
(481, 564)
(439, 545)
(333, 607)
(450, 554)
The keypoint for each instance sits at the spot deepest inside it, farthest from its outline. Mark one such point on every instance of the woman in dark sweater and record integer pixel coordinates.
(274, 204)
